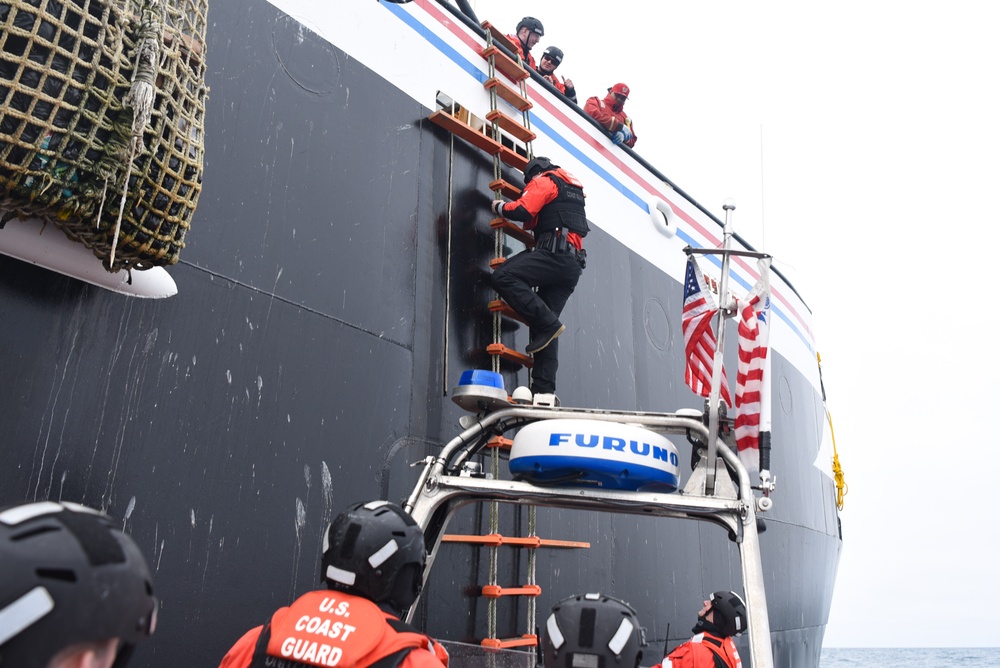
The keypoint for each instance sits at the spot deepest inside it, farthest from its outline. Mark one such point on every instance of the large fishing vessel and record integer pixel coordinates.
(332, 289)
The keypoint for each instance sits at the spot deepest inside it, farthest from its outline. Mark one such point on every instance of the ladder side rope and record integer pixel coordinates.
(494, 522)
(498, 246)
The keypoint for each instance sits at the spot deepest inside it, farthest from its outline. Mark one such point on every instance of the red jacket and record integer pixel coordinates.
(539, 192)
(331, 628)
(701, 652)
(525, 55)
(603, 111)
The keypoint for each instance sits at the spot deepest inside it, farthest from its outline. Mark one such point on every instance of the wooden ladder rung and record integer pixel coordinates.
(513, 230)
(499, 36)
(508, 124)
(508, 94)
(506, 189)
(527, 640)
(496, 591)
(460, 129)
(506, 353)
(505, 64)
(504, 309)
(513, 158)
(496, 262)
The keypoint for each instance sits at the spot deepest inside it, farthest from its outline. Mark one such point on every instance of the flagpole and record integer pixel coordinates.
(713, 401)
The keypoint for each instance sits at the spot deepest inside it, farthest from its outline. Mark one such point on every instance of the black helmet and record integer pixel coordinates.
(592, 631)
(730, 613)
(532, 24)
(553, 52)
(536, 166)
(68, 577)
(375, 550)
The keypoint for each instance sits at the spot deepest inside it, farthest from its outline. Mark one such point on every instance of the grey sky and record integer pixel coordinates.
(860, 141)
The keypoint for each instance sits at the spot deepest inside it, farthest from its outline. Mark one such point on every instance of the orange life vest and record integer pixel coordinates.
(705, 651)
(331, 628)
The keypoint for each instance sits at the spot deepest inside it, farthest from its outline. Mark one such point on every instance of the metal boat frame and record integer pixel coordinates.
(453, 479)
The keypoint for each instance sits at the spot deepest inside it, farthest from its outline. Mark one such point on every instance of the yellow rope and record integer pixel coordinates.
(838, 472)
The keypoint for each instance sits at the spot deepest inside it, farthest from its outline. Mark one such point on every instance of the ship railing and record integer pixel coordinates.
(465, 15)
(453, 479)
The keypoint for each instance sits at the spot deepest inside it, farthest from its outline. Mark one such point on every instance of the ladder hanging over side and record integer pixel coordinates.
(497, 139)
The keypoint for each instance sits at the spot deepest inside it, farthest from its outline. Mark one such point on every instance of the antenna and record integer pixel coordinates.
(763, 227)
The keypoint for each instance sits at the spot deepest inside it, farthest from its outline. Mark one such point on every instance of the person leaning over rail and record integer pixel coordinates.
(373, 564)
(610, 113)
(592, 631)
(75, 592)
(528, 32)
(724, 615)
(551, 58)
(551, 206)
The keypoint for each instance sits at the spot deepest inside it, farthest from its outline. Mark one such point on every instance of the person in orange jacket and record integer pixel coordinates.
(551, 206)
(723, 616)
(373, 563)
(547, 64)
(528, 32)
(610, 113)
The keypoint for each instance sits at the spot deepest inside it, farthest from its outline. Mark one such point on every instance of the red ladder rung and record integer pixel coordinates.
(466, 132)
(527, 640)
(499, 36)
(510, 355)
(511, 126)
(513, 230)
(504, 309)
(503, 443)
(505, 63)
(508, 190)
(492, 539)
(508, 94)
(496, 591)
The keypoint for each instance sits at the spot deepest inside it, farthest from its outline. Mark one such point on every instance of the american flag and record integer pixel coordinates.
(753, 335)
(699, 337)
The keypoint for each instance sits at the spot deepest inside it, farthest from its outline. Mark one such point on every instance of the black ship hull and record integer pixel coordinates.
(328, 300)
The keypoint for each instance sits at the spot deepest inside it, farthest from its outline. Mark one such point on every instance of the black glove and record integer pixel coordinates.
(497, 206)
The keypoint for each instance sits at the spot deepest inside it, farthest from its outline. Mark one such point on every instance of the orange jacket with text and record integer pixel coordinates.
(331, 628)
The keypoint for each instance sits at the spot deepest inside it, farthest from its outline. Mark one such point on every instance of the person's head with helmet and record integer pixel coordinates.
(529, 31)
(552, 56)
(592, 631)
(75, 591)
(537, 166)
(617, 95)
(375, 550)
(724, 615)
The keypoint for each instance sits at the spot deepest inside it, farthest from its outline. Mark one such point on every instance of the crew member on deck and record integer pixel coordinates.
(547, 64)
(610, 112)
(723, 616)
(529, 31)
(552, 207)
(373, 564)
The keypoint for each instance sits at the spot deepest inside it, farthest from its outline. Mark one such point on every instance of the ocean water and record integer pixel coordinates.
(976, 657)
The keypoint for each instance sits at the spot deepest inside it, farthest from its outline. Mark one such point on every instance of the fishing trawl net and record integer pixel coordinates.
(102, 107)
